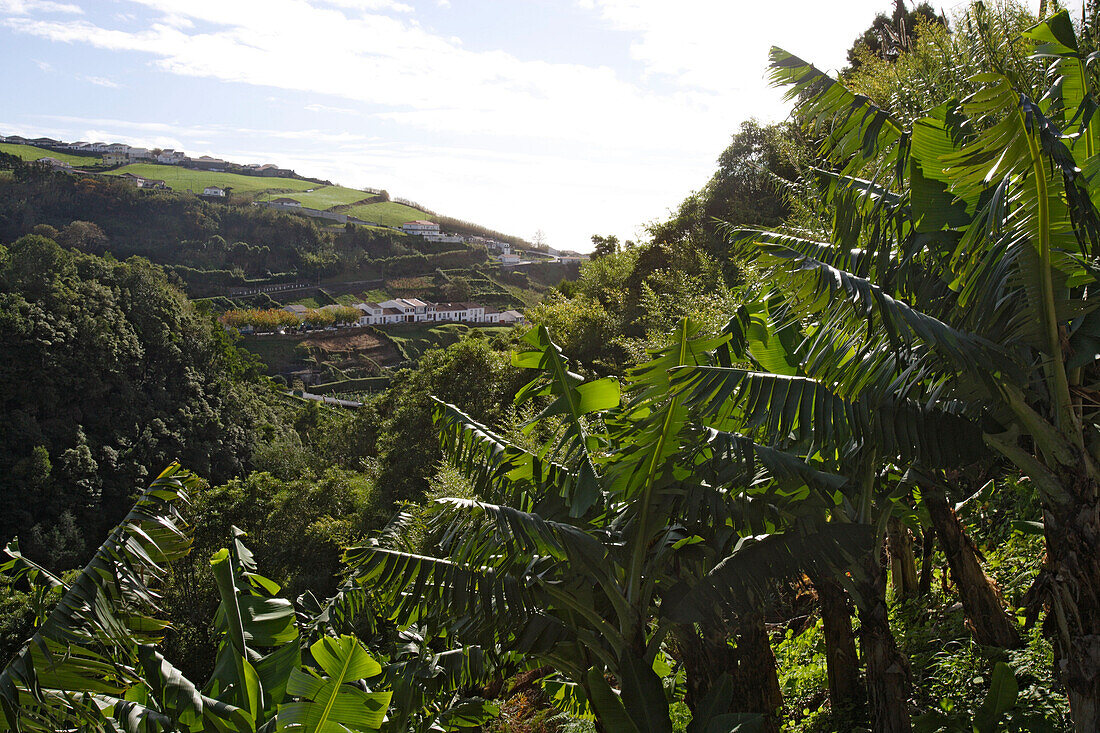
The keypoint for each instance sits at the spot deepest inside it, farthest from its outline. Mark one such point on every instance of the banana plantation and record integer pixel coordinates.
(921, 330)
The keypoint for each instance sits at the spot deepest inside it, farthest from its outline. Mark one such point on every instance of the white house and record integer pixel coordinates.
(452, 312)
(445, 238)
(214, 191)
(509, 259)
(420, 227)
(120, 148)
(170, 157)
(512, 317)
(110, 158)
(54, 163)
(284, 201)
(139, 154)
(372, 313)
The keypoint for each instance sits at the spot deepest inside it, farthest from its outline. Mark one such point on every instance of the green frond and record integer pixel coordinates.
(84, 656)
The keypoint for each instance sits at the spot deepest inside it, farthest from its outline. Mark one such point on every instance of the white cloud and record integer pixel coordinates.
(43, 65)
(101, 81)
(26, 7)
(329, 109)
(371, 5)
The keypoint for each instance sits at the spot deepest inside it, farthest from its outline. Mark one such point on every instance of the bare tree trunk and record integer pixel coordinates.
(924, 584)
(707, 654)
(1073, 571)
(980, 597)
(841, 660)
(902, 561)
(887, 669)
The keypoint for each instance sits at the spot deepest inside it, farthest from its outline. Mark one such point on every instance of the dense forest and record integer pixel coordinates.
(818, 453)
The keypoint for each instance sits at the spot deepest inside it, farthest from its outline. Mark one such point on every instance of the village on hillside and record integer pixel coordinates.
(369, 313)
(113, 159)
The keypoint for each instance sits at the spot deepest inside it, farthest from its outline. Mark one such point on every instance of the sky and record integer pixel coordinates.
(569, 117)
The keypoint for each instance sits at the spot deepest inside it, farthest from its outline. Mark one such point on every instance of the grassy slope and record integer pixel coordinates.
(388, 213)
(323, 198)
(184, 178)
(29, 152)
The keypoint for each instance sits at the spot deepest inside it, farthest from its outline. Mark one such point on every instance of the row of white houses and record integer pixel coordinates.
(414, 310)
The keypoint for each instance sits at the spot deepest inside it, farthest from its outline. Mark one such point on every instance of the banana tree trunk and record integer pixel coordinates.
(1073, 566)
(707, 654)
(887, 669)
(903, 562)
(985, 614)
(756, 683)
(841, 660)
(928, 547)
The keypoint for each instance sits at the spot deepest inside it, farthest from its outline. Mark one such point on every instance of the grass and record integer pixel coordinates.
(182, 179)
(30, 152)
(324, 197)
(387, 212)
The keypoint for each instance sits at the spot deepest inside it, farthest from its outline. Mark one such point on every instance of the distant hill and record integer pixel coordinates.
(234, 246)
(368, 205)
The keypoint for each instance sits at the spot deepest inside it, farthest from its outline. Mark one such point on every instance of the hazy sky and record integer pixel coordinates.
(571, 116)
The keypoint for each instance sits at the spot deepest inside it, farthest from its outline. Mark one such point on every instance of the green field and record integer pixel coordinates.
(323, 198)
(387, 212)
(29, 152)
(182, 179)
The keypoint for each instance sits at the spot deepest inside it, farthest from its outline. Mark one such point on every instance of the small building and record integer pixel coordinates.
(170, 157)
(509, 259)
(298, 310)
(139, 154)
(207, 163)
(54, 163)
(153, 183)
(111, 158)
(120, 148)
(372, 313)
(284, 201)
(512, 317)
(445, 238)
(420, 227)
(215, 191)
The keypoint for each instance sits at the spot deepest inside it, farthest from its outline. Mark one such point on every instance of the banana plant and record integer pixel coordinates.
(569, 550)
(77, 669)
(961, 281)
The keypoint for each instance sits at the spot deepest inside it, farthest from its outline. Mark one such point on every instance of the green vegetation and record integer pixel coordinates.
(387, 212)
(323, 197)
(829, 466)
(31, 153)
(188, 179)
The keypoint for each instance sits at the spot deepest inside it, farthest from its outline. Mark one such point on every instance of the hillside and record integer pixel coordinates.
(235, 255)
(189, 179)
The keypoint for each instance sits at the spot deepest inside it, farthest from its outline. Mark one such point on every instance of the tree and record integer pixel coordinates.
(891, 35)
(84, 236)
(604, 246)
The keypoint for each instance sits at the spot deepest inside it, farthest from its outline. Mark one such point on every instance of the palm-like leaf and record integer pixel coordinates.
(83, 657)
(332, 700)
